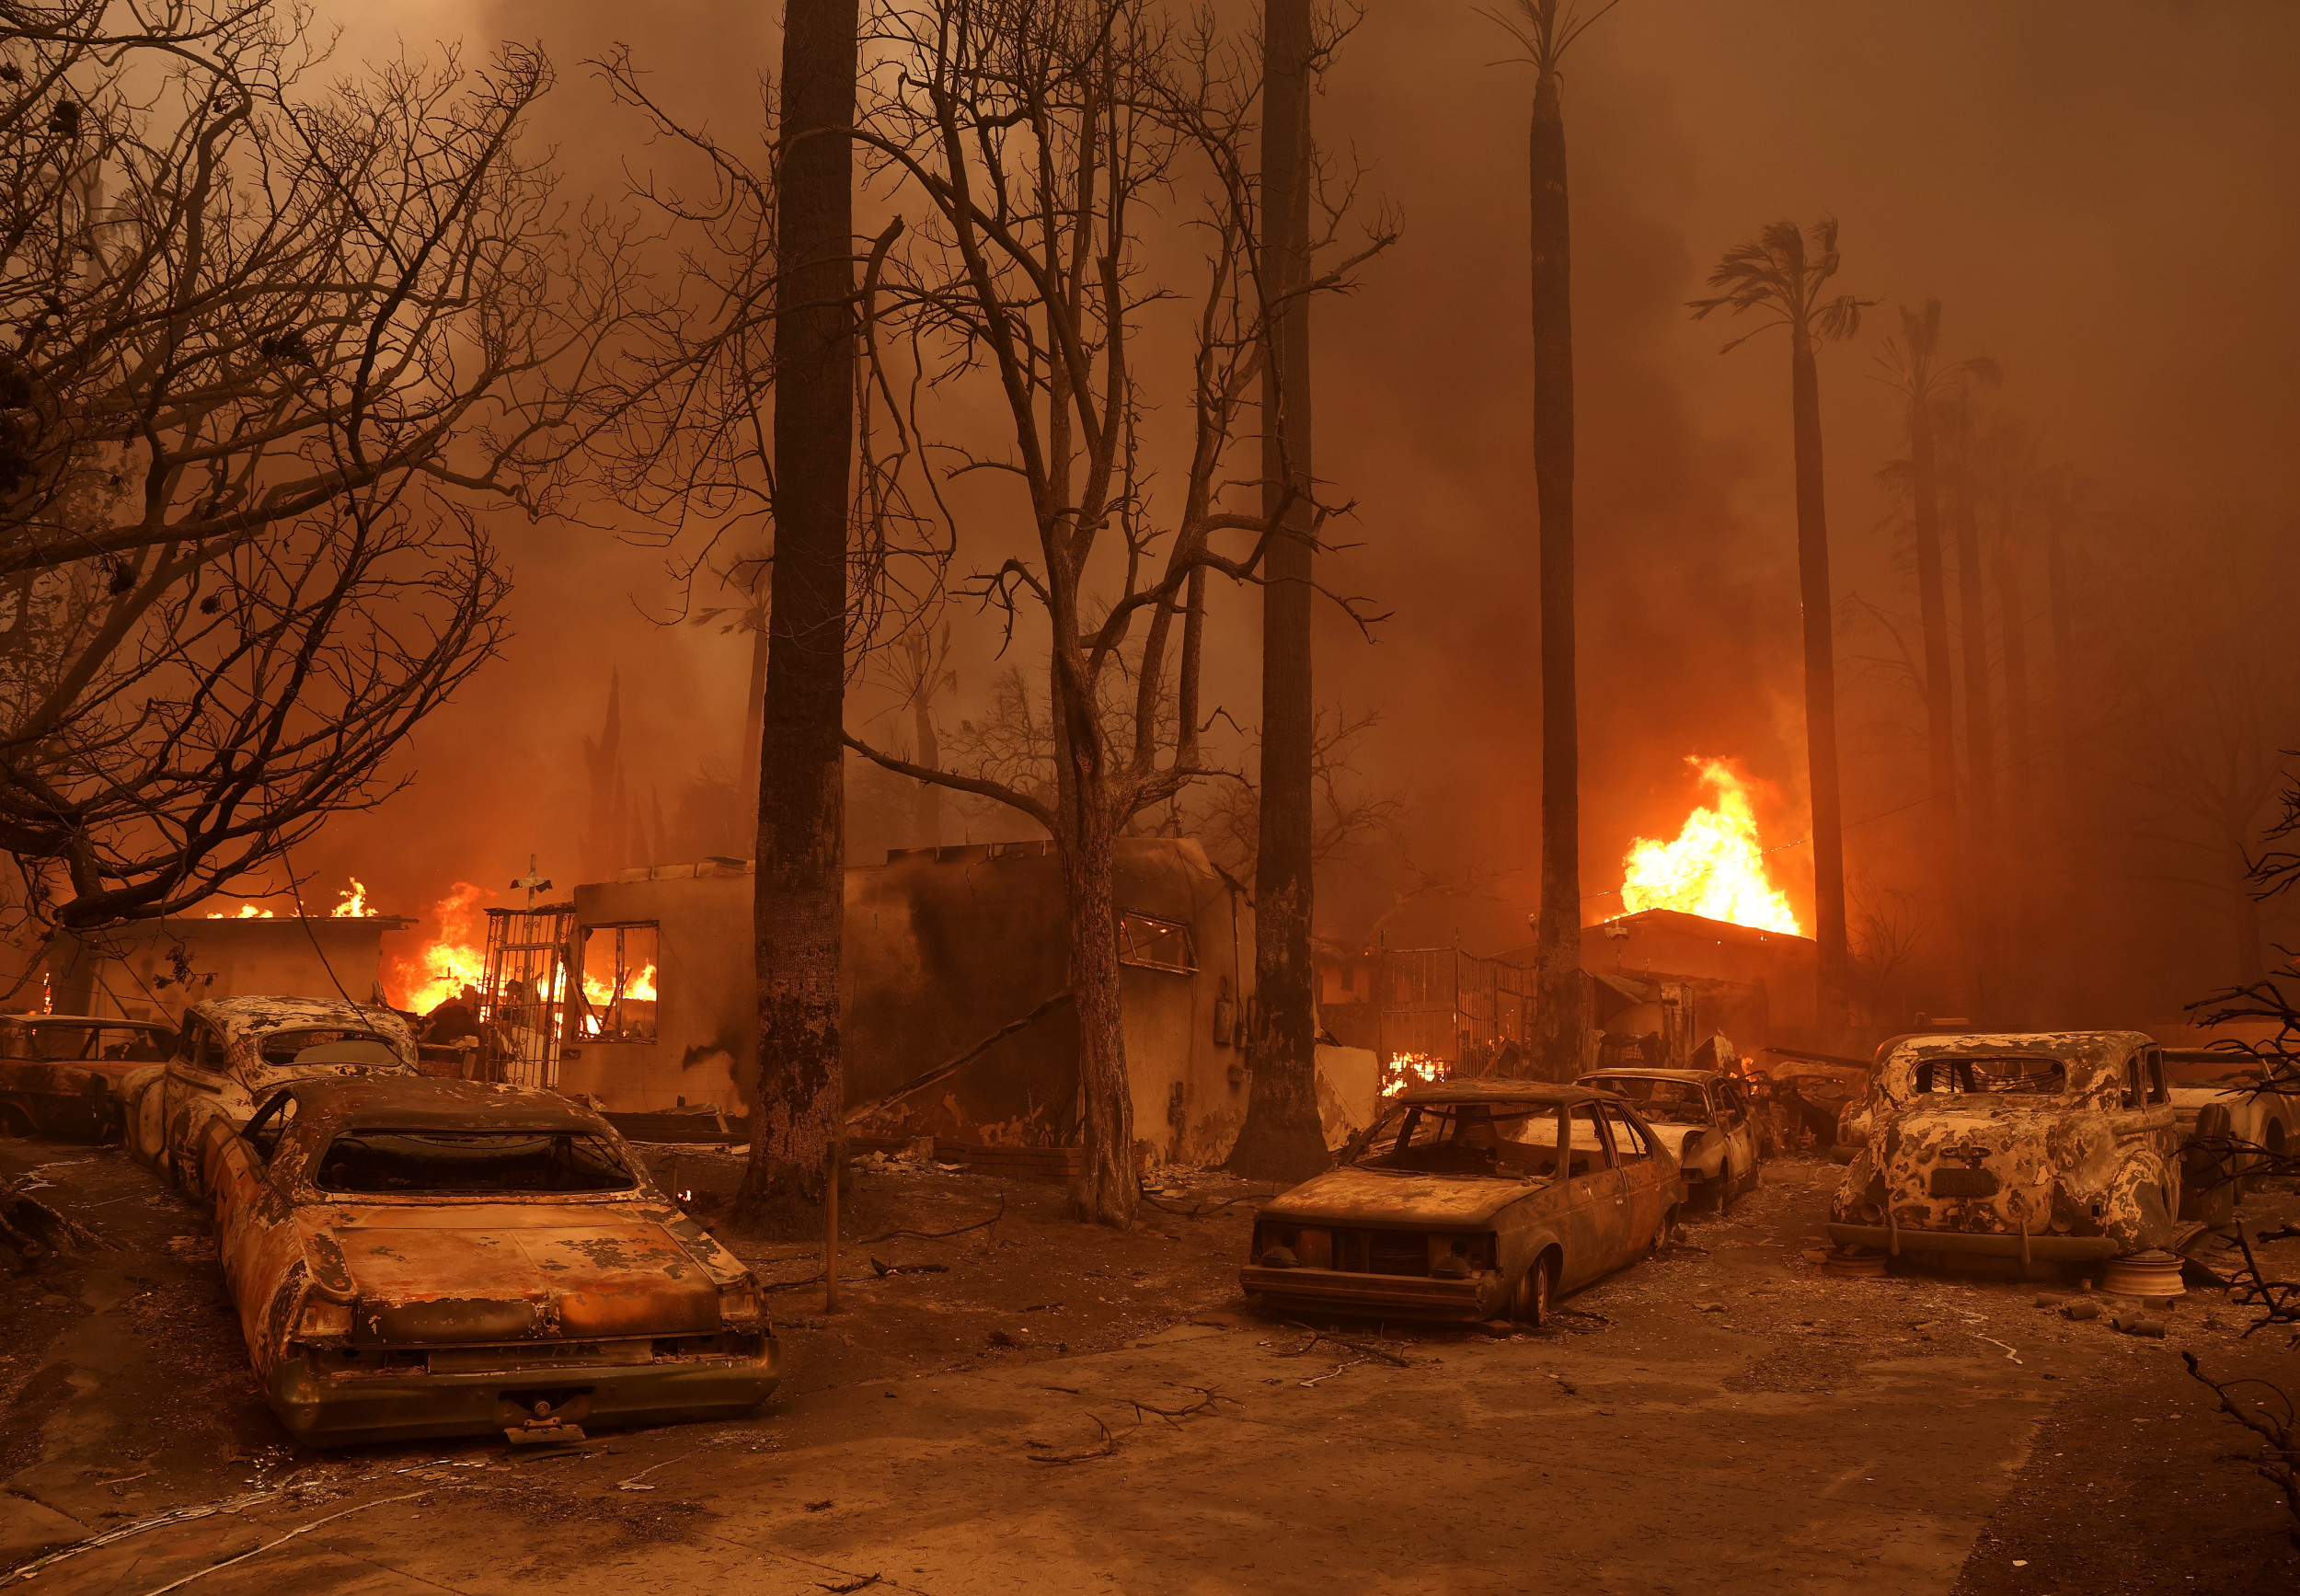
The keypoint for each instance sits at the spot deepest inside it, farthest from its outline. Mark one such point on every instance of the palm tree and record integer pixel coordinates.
(1912, 365)
(1780, 276)
(1547, 29)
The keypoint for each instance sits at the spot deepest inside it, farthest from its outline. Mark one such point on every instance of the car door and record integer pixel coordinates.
(255, 1219)
(195, 1082)
(1733, 1115)
(1644, 1174)
(1595, 1224)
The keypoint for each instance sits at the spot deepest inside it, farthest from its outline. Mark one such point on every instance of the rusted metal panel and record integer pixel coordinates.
(420, 1312)
(2034, 1145)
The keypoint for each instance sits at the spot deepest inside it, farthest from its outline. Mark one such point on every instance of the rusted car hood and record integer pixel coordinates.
(1363, 1196)
(510, 1271)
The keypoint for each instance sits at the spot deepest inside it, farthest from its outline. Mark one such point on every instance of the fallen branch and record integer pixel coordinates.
(884, 1270)
(2281, 1467)
(1108, 1448)
(864, 1583)
(1371, 1349)
(1201, 1210)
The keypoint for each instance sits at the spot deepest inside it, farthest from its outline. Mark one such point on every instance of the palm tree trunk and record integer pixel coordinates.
(2020, 862)
(1835, 962)
(1281, 1139)
(1556, 1041)
(1940, 722)
(799, 903)
(1984, 857)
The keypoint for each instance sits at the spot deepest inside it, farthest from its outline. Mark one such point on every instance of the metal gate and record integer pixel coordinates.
(1449, 1011)
(523, 1003)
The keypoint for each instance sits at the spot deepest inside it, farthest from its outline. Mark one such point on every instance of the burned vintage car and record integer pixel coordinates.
(2048, 1147)
(417, 1258)
(233, 1053)
(1470, 1200)
(61, 1074)
(2252, 1124)
(1706, 1121)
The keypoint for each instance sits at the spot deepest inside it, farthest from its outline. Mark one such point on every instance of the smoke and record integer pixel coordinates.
(2098, 196)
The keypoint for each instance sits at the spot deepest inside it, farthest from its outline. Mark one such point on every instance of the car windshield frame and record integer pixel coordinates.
(309, 1037)
(2032, 1076)
(407, 1146)
(1468, 1138)
(1650, 1111)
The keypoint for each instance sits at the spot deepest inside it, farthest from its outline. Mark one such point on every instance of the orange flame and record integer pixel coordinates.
(354, 902)
(1405, 1070)
(246, 911)
(454, 959)
(1715, 867)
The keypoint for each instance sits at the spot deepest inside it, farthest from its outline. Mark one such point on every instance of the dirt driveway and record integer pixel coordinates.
(1059, 1409)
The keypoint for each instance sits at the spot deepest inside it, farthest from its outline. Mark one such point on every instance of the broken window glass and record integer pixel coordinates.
(460, 1162)
(327, 1047)
(1510, 1139)
(1154, 944)
(616, 1003)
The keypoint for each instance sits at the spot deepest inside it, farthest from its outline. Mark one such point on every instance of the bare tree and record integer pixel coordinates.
(1546, 29)
(1040, 134)
(1346, 811)
(271, 347)
(239, 304)
(1781, 276)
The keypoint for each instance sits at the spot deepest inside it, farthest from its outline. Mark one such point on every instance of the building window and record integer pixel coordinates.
(1154, 944)
(617, 1000)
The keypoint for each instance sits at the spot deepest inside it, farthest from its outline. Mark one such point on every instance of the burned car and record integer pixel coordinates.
(233, 1053)
(1704, 1118)
(61, 1074)
(1470, 1200)
(2254, 1123)
(417, 1258)
(2048, 1147)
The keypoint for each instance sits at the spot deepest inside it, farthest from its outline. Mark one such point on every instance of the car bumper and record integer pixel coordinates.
(346, 1409)
(2054, 1249)
(1398, 1296)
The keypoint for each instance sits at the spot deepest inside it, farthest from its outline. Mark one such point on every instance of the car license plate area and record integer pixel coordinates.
(542, 1355)
(1963, 1183)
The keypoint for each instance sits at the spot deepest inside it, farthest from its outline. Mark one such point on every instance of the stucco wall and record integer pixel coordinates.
(132, 972)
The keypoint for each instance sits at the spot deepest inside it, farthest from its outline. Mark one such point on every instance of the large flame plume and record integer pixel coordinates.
(453, 959)
(1715, 866)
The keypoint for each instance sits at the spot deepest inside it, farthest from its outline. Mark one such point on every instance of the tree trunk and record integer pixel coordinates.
(1110, 1192)
(1281, 1139)
(1557, 1038)
(1984, 858)
(2021, 860)
(1834, 974)
(799, 904)
(1941, 721)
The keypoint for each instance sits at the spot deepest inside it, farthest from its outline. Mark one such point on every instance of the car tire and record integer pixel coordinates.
(1529, 1302)
(1661, 1231)
(1724, 1186)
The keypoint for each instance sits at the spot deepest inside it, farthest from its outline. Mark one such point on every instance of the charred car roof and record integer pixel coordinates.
(99, 1021)
(421, 1103)
(1545, 1092)
(2094, 1052)
(1638, 1072)
(250, 1019)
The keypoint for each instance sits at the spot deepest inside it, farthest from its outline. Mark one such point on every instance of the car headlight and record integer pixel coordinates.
(1303, 1246)
(740, 1307)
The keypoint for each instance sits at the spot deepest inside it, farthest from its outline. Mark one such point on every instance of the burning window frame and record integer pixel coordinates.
(593, 1022)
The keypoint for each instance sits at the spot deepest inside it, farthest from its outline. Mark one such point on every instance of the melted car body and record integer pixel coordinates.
(1703, 1116)
(61, 1075)
(420, 1258)
(233, 1052)
(1467, 1200)
(2042, 1146)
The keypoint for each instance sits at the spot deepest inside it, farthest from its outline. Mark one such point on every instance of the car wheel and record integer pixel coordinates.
(1725, 1185)
(1529, 1304)
(1661, 1231)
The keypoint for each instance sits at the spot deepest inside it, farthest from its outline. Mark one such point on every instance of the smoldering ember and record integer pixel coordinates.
(1149, 796)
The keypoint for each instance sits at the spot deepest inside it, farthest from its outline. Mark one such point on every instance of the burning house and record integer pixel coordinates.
(958, 1020)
